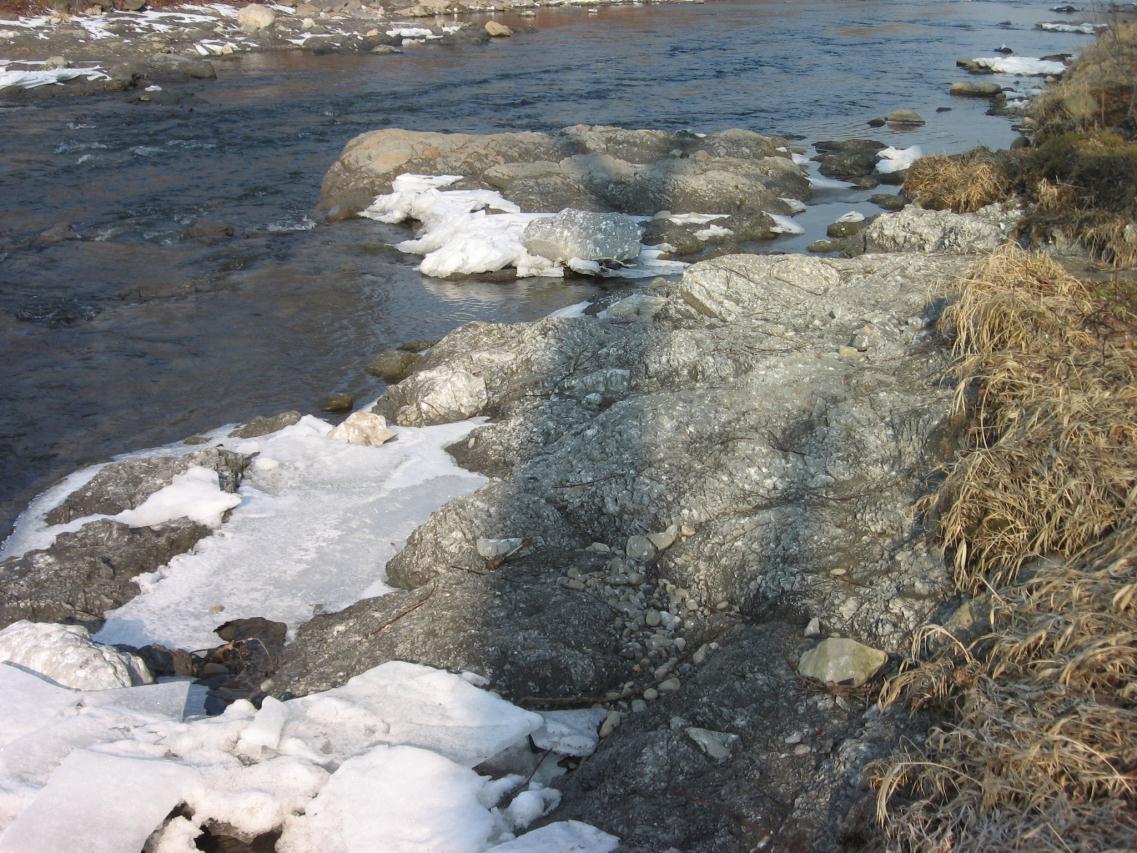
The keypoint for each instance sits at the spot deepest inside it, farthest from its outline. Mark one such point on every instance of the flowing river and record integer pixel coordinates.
(132, 337)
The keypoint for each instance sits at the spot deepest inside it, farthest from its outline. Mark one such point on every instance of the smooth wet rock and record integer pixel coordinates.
(363, 428)
(392, 365)
(848, 159)
(907, 117)
(167, 66)
(497, 30)
(337, 403)
(124, 485)
(208, 230)
(262, 425)
(842, 661)
(493, 549)
(975, 89)
(585, 235)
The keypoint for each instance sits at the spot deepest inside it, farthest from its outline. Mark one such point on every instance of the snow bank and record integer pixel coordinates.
(897, 159)
(47, 77)
(66, 655)
(1085, 28)
(194, 494)
(382, 763)
(1021, 66)
(317, 521)
(468, 232)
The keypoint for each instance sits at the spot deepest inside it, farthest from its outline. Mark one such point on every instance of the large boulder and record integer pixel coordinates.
(437, 396)
(584, 235)
(584, 167)
(256, 17)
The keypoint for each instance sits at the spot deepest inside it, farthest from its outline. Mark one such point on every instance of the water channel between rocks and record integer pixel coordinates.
(132, 337)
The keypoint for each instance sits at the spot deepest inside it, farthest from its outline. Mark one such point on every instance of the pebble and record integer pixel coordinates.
(638, 706)
(793, 739)
(700, 654)
(802, 749)
(670, 685)
(575, 584)
(611, 722)
(813, 629)
(680, 643)
(651, 618)
(651, 694)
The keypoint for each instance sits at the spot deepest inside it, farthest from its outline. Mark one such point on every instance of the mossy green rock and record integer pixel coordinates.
(839, 660)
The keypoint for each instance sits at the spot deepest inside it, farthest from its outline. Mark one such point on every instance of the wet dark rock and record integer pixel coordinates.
(975, 89)
(876, 122)
(163, 661)
(90, 571)
(889, 201)
(262, 425)
(57, 234)
(55, 311)
(338, 403)
(848, 159)
(239, 668)
(515, 625)
(837, 230)
(125, 485)
(208, 230)
(171, 67)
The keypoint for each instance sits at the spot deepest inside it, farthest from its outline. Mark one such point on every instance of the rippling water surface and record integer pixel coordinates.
(132, 337)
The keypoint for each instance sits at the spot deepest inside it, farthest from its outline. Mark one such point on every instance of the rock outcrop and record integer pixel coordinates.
(600, 169)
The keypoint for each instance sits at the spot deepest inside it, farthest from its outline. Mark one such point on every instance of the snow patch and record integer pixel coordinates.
(1021, 66)
(66, 655)
(897, 159)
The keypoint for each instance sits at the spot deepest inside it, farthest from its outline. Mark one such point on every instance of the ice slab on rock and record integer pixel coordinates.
(66, 655)
(317, 518)
(104, 803)
(395, 798)
(570, 732)
(195, 494)
(405, 703)
(897, 159)
(1022, 66)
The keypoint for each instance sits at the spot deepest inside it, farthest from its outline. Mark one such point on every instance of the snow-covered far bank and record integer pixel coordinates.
(384, 762)
(312, 525)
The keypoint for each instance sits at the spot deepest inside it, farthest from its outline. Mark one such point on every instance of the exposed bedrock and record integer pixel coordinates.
(752, 437)
(584, 167)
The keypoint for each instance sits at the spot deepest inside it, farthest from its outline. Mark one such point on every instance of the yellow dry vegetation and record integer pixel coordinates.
(1037, 744)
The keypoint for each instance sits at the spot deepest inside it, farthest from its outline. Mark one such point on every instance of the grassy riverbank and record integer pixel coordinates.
(1034, 680)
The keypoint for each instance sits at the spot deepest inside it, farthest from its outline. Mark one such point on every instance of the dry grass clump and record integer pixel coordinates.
(961, 183)
(1038, 750)
(1098, 90)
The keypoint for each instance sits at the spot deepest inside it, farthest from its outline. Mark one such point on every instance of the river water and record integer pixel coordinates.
(132, 337)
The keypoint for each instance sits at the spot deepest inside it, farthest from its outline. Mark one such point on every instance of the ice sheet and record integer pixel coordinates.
(318, 520)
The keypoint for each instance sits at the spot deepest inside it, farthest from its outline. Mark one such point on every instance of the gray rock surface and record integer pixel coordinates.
(262, 425)
(88, 572)
(125, 485)
(915, 229)
(515, 625)
(585, 235)
(585, 167)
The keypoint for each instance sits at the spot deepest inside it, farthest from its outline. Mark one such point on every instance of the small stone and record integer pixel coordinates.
(638, 706)
(793, 739)
(700, 654)
(497, 30)
(639, 548)
(848, 352)
(54, 63)
(575, 584)
(840, 660)
(717, 746)
(680, 643)
(363, 428)
(663, 541)
(813, 629)
(492, 549)
(610, 724)
(669, 686)
(686, 531)
(393, 365)
(802, 749)
(651, 694)
(876, 122)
